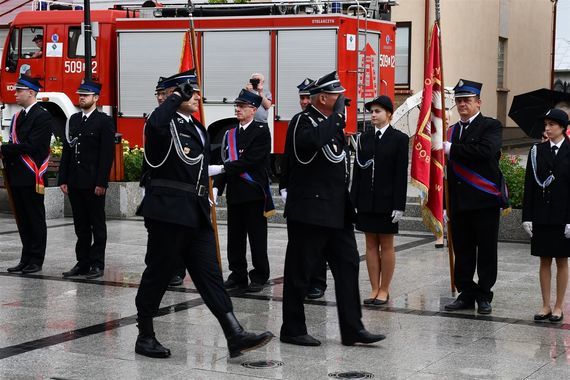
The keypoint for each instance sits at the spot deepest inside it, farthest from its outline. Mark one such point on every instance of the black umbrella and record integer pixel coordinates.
(527, 109)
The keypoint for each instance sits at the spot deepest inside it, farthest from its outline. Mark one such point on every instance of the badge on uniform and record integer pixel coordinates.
(180, 120)
(186, 150)
(320, 119)
(240, 151)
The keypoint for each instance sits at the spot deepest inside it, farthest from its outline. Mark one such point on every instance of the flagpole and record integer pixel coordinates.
(444, 135)
(194, 46)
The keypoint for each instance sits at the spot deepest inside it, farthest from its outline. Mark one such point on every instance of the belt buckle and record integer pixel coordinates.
(202, 191)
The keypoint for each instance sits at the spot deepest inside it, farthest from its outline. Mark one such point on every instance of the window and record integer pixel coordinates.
(13, 48)
(76, 43)
(403, 46)
(32, 42)
(501, 62)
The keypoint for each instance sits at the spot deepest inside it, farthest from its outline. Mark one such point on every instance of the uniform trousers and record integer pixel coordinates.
(90, 227)
(475, 236)
(247, 220)
(319, 276)
(31, 214)
(306, 247)
(197, 247)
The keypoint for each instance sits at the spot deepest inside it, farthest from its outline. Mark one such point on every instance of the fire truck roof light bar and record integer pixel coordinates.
(47, 5)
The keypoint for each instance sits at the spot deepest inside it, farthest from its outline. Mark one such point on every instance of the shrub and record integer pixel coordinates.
(56, 148)
(514, 177)
(133, 159)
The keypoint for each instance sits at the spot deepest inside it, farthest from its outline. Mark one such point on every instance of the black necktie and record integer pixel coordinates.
(84, 120)
(21, 117)
(464, 126)
(554, 148)
(378, 134)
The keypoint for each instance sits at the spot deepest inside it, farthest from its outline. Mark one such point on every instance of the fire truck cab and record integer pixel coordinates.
(132, 48)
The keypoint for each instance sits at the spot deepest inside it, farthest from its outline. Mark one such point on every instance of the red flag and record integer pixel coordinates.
(186, 61)
(427, 152)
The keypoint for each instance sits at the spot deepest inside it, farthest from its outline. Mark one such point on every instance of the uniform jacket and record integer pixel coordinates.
(88, 163)
(388, 190)
(172, 204)
(479, 150)
(34, 134)
(553, 205)
(317, 192)
(254, 146)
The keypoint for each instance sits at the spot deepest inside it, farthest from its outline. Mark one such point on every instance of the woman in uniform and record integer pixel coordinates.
(546, 210)
(379, 194)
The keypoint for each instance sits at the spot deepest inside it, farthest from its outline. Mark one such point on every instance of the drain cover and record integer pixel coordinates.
(262, 364)
(351, 375)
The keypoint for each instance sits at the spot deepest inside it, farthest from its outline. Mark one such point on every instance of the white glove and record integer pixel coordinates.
(215, 170)
(397, 216)
(527, 226)
(446, 147)
(567, 231)
(214, 199)
(445, 217)
(283, 193)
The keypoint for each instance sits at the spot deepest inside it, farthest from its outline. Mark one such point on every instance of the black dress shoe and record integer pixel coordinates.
(246, 341)
(149, 346)
(17, 268)
(484, 307)
(95, 273)
(300, 340)
(363, 336)
(556, 318)
(75, 271)
(315, 293)
(439, 245)
(31, 268)
(459, 304)
(254, 287)
(379, 302)
(542, 317)
(233, 284)
(369, 301)
(176, 281)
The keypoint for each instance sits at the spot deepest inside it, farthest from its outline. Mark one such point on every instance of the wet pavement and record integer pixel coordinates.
(57, 328)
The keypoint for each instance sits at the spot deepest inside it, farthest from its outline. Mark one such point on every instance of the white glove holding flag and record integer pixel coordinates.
(283, 193)
(446, 147)
(567, 231)
(527, 226)
(397, 216)
(214, 200)
(215, 170)
(445, 217)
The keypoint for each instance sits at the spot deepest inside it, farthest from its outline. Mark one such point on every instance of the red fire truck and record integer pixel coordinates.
(133, 47)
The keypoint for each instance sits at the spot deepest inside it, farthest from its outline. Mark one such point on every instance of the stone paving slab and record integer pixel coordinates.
(58, 328)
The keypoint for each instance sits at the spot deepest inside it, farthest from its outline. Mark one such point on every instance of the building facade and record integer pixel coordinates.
(505, 44)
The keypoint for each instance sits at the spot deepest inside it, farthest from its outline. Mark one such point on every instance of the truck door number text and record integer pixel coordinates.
(78, 67)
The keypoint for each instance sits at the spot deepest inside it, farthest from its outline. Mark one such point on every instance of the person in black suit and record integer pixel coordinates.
(176, 212)
(476, 192)
(163, 89)
(379, 187)
(318, 282)
(245, 153)
(88, 152)
(26, 158)
(320, 216)
(546, 210)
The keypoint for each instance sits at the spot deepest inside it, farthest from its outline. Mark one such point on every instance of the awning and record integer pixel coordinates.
(10, 8)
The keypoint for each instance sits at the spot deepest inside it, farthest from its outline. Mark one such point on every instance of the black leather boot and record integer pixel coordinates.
(147, 344)
(239, 340)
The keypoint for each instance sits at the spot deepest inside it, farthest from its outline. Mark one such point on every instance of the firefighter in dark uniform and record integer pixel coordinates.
(320, 216)
(26, 158)
(476, 195)
(318, 282)
(176, 211)
(163, 89)
(245, 153)
(86, 162)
